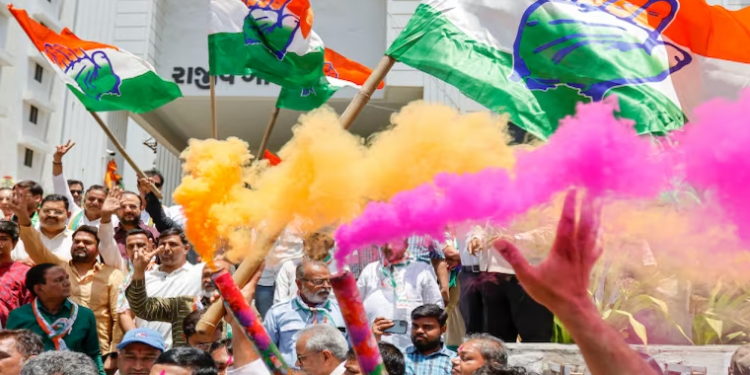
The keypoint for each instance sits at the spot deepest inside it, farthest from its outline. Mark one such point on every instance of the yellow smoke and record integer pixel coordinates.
(327, 174)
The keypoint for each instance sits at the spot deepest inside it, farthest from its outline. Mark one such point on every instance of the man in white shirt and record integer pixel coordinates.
(394, 286)
(321, 350)
(492, 300)
(174, 277)
(55, 236)
(92, 200)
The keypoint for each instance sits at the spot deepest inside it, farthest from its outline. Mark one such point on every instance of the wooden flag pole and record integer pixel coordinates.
(211, 318)
(267, 134)
(124, 153)
(363, 96)
(214, 123)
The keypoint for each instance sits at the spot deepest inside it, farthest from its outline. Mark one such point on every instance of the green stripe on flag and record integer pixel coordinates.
(228, 54)
(140, 94)
(432, 44)
(306, 100)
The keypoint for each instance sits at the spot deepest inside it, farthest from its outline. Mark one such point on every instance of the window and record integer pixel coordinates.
(33, 115)
(38, 73)
(28, 159)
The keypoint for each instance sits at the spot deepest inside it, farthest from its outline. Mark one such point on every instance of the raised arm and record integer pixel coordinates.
(143, 306)
(59, 183)
(561, 283)
(107, 246)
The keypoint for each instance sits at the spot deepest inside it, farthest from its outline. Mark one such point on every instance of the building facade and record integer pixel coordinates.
(37, 112)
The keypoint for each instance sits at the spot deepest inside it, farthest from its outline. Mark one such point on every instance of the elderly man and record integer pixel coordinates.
(16, 348)
(311, 306)
(321, 350)
(139, 350)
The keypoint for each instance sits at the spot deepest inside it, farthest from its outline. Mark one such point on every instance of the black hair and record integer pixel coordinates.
(495, 368)
(430, 311)
(174, 232)
(98, 187)
(75, 182)
(126, 192)
(37, 276)
(393, 359)
(88, 229)
(191, 321)
(33, 187)
(27, 343)
(154, 172)
(491, 348)
(198, 361)
(224, 343)
(137, 231)
(6, 188)
(57, 198)
(10, 228)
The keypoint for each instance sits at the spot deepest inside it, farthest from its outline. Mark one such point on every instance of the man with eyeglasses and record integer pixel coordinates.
(85, 208)
(311, 306)
(53, 214)
(321, 350)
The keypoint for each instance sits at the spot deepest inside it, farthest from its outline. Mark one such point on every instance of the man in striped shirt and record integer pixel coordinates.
(428, 355)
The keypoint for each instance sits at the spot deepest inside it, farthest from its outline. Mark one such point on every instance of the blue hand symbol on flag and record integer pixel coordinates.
(267, 24)
(595, 45)
(92, 73)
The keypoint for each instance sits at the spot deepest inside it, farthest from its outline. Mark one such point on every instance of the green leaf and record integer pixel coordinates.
(625, 319)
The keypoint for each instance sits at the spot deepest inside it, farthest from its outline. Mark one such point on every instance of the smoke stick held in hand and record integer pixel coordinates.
(360, 335)
(251, 323)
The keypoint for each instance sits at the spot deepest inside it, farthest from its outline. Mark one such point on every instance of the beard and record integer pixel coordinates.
(80, 256)
(130, 219)
(425, 344)
(317, 297)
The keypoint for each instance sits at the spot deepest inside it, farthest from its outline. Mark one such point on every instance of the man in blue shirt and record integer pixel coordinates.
(311, 306)
(428, 355)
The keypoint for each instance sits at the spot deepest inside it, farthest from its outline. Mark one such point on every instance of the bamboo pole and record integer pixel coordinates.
(124, 153)
(242, 276)
(214, 123)
(267, 134)
(363, 96)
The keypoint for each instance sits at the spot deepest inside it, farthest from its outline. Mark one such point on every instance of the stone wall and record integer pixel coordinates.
(537, 357)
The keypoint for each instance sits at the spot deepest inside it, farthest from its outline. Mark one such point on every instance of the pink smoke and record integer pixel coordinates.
(716, 148)
(593, 150)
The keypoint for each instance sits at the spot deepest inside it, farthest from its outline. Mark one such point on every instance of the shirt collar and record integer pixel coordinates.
(298, 303)
(140, 225)
(340, 369)
(185, 267)
(443, 351)
(65, 306)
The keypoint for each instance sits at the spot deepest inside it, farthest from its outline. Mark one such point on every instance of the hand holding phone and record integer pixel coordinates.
(399, 327)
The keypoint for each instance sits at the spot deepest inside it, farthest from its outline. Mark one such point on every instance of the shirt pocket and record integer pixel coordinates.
(288, 333)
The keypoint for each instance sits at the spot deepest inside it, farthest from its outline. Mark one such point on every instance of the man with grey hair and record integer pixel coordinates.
(321, 350)
(17, 346)
(311, 306)
(61, 362)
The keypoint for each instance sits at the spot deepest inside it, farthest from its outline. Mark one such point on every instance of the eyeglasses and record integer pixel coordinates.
(76, 192)
(299, 357)
(318, 282)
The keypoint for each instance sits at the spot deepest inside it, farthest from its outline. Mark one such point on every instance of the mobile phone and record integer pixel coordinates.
(399, 327)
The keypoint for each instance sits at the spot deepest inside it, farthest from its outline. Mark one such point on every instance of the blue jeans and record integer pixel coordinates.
(264, 299)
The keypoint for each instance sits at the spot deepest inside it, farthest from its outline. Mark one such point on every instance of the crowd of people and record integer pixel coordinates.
(104, 281)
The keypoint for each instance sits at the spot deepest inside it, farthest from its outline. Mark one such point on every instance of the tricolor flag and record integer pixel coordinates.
(536, 59)
(274, 40)
(103, 77)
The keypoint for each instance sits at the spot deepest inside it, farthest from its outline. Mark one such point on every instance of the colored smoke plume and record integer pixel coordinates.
(427, 139)
(593, 150)
(328, 174)
(717, 156)
(212, 182)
